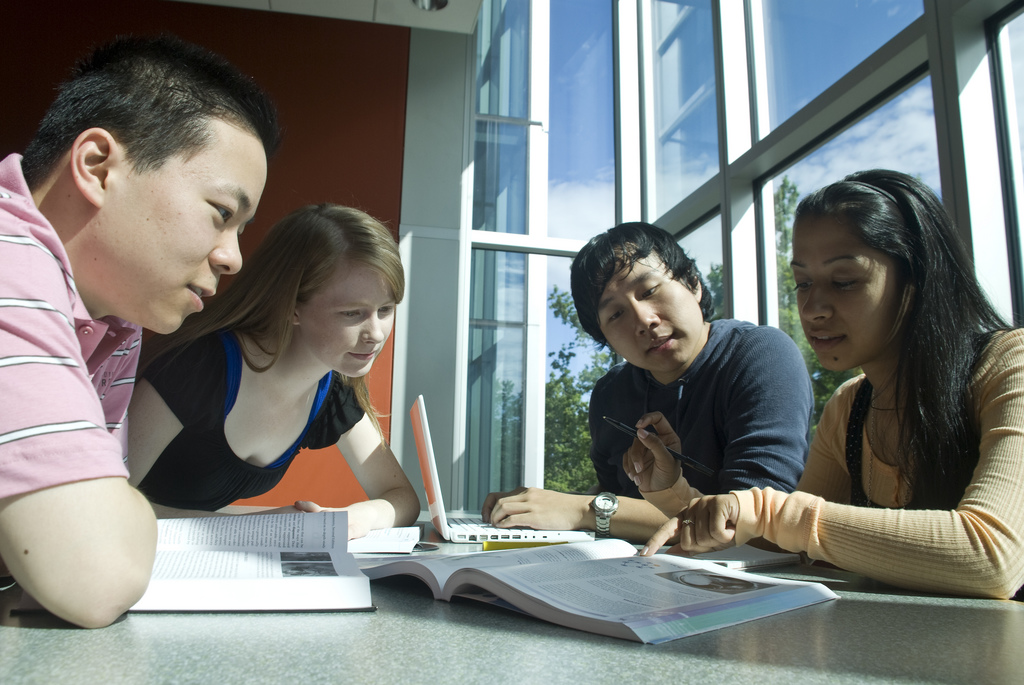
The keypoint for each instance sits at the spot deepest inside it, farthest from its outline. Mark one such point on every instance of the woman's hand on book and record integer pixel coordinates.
(706, 525)
(360, 518)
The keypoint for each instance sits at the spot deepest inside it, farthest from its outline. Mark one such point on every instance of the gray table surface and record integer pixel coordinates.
(873, 633)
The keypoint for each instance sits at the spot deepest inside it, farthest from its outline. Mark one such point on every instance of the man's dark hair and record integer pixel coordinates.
(616, 251)
(156, 96)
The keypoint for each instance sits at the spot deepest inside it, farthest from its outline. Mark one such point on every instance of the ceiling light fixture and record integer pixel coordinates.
(430, 5)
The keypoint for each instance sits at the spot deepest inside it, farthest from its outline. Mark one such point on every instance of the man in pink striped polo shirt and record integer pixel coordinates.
(123, 213)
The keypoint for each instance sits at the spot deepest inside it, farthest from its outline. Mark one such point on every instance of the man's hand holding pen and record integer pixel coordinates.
(648, 462)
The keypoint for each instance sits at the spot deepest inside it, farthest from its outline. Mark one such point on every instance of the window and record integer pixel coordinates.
(810, 44)
(898, 135)
(1009, 46)
(681, 114)
(718, 135)
(704, 246)
(543, 183)
(497, 350)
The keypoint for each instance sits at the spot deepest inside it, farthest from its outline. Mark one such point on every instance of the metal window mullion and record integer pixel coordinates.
(742, 245)
(648, 92)
(627, 111)
(1011, 162)
(458, 474)
(515, 242)
(965, 122)
(535, 324)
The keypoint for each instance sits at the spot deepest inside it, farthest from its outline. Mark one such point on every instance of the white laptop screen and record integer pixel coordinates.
(428, 466)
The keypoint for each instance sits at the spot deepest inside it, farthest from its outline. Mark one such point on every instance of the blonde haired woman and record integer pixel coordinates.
(276, 363)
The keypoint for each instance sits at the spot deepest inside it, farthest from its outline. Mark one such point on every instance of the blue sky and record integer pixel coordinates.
(581, 144)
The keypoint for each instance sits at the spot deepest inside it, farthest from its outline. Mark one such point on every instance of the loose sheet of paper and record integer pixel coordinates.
(386, 541)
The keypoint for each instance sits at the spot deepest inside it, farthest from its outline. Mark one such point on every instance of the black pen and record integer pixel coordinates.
(692, 463)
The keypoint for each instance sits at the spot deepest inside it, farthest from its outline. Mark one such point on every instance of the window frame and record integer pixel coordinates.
(952, 41)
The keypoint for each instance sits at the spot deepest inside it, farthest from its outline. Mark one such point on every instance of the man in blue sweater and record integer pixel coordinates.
(729, 395)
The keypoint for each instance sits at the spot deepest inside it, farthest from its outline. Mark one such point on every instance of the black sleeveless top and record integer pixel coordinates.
(855, 444)
(198, 469)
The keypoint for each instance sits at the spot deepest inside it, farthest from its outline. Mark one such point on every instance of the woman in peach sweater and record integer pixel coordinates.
(932, 432)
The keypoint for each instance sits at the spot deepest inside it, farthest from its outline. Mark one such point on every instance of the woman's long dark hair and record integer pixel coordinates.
(946, 325)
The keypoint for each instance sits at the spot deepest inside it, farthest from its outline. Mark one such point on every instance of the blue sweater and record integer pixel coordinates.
(743, 408)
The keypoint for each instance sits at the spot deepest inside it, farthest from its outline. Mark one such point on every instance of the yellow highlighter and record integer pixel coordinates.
(490, 545)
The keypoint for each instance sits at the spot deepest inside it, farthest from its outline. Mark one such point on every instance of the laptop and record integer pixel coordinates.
(469, 528)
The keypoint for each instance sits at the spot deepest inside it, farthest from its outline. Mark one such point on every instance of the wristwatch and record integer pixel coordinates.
(604, 505)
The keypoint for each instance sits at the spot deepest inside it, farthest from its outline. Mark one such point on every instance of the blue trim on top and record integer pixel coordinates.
(321, 392)
(233, 354)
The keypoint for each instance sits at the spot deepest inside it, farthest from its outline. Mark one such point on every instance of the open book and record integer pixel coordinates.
(603, 587)
(279, 562)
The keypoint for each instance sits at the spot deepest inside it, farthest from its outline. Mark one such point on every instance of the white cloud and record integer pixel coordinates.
(580, 210)
(900, 136)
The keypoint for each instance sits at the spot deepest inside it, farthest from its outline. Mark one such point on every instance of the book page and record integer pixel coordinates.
(247, 564)
(659, 597)
(326, 530)
(442, 566)
(246, 580)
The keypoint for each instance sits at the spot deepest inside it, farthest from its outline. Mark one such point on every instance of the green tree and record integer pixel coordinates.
(507, 437)
(823, 381)
(567, 465)
(714, 278)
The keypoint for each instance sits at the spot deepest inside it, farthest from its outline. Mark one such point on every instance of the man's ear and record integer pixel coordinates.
(95, 155)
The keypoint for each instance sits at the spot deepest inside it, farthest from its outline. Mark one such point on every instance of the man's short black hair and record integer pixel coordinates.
(618, 250)
(157, 97)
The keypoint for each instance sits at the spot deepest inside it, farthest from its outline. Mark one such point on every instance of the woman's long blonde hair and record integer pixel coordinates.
(295, 259)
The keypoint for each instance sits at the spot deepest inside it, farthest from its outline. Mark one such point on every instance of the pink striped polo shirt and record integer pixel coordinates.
(65, 378)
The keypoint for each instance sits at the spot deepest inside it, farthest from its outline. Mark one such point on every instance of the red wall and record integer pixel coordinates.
(340, 91)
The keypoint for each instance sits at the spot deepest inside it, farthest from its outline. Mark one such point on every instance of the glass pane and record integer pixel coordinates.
(499, 178)
(684, 141)
(704, 246)
(503, 58)
(581, 135)
(900, 135)
(1013, 67)
(811, 44)
(494, 403)
(574, 363)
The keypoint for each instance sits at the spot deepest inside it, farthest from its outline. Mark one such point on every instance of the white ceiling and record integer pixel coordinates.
(459, 16)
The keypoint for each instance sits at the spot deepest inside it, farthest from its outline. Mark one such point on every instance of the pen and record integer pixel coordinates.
(692, 463)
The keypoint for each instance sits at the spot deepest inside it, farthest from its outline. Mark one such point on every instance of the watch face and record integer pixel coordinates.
(604, 503)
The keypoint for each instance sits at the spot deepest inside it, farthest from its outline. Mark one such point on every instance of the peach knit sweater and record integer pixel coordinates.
(976, 549)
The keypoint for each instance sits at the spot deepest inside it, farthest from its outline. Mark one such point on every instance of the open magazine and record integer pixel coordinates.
(603, 587)
(280, 562)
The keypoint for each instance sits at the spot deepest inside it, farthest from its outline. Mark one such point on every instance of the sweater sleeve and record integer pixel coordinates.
(976, 549)
(767, 406)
